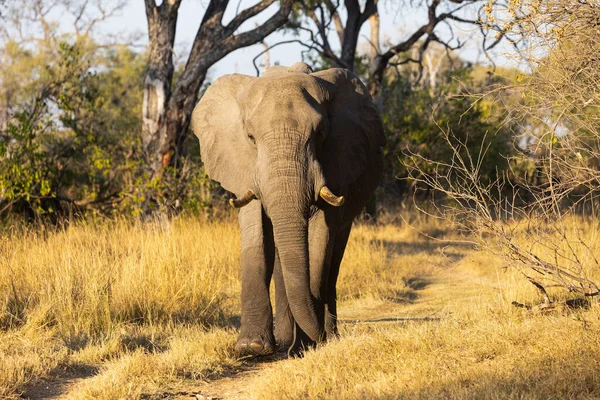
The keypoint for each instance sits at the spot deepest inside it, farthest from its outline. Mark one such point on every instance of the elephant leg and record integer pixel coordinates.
(258, 253)
(284, 321)
(341, 240)
(320, 249)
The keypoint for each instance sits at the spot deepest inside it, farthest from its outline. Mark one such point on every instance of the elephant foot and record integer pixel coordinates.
(283, 345)
(284, 336)
(254, 345)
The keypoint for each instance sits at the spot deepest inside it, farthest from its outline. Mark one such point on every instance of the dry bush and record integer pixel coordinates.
(560, 111)
(552, 247)
(534, 216)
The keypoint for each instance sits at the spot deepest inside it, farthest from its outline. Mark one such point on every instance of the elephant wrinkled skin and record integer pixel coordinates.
(302, 152)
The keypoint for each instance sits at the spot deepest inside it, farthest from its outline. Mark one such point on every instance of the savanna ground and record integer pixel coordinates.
(111, 310)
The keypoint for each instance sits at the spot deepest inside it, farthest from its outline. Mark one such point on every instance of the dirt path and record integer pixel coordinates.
(231, 386)
(427, 304)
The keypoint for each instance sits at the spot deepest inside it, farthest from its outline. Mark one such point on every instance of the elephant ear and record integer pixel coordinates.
(355, 130)
(217, 122)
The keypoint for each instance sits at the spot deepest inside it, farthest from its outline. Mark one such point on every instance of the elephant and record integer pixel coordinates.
(303, 152)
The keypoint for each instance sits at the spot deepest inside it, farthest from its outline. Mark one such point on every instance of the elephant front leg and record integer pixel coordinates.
(256, 332)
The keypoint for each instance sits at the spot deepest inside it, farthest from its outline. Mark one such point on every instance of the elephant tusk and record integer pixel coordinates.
(244, 200)
(331, 198)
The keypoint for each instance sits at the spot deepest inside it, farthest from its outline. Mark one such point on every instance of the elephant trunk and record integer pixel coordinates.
(291, 238)
(287, 195)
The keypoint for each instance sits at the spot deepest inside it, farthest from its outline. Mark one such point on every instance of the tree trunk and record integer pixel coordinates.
(374, 54)
(267, 58)
(168, 107)
(433, 70)
(355, 20)
(179, 113)
(353, 25)
(374, 45)
(157, 86)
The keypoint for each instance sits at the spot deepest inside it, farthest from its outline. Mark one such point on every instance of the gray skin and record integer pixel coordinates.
(280, 139)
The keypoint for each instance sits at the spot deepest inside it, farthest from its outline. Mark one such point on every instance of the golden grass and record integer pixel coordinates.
(191, 354)
(478, 356)
(80, 292)
(150, 308)
(87, 279)
(25, 355)
(467, 341)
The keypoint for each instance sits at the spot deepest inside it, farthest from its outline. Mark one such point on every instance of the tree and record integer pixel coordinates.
(29, 36)
(416, 114)
(70, 111)
(536, 224)
(168, 106)
(439, 12)
(73, 145)
(323, 13)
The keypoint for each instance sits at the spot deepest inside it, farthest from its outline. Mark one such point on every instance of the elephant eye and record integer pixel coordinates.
(251, 138)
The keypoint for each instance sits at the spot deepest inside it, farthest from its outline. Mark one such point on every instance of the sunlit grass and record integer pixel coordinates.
(190, 354)
(150, 307)
(477, 355)
(71, 294)
(88, 279)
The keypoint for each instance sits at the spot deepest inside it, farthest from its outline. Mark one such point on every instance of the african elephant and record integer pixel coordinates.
(284, 143)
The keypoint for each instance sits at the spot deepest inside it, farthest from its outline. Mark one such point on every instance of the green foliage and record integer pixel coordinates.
(416, 116)
(25, 175)
(76, 142)
(72, 141)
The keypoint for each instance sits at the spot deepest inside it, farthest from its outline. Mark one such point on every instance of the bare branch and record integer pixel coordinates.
(257, 34)
(309, 47)
(335, 16)
(246, 14)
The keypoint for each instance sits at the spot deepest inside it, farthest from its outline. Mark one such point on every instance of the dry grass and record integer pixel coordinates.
(150, 308)
(88, 279)
(190, 354)
(92, 293)
(469, 342)
(466, 356)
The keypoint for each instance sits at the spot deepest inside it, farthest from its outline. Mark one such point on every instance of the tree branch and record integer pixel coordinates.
(246, 15)
(370, 9)
(278, 44)
(335, 16)
(262, 31)
(322, 32)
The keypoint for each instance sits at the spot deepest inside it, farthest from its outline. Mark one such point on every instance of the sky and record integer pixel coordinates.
(397, 21)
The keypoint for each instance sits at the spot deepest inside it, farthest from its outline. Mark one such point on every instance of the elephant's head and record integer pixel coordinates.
(291, 139)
